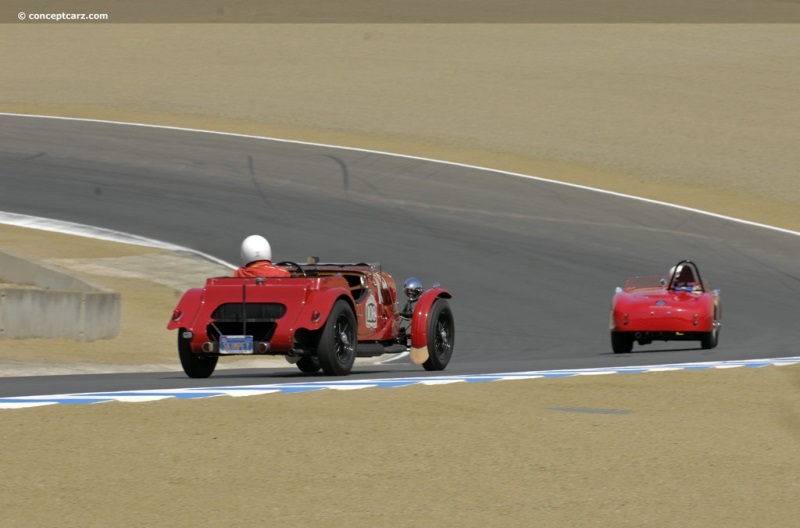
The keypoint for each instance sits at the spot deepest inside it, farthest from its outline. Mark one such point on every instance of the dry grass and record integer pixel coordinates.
(704, 115)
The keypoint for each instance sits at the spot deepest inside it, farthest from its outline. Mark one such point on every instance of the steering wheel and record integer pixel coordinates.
(296, 267)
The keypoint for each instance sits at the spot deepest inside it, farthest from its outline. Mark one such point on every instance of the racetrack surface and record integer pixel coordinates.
(532, 264)
(703, 115)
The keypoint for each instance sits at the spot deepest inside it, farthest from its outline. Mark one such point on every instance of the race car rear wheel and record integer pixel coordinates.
(193, 365)
(308, 364)
(711, 339)
(621, 342)
(441, 336)
(336, 348)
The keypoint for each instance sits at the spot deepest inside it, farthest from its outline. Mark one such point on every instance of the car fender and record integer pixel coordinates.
(714, 309)
(419, 323)
(321, 301)
(717, 305)
(186, 311)
(620, 303)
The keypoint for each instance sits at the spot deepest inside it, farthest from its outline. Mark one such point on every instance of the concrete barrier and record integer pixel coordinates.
(51, 303)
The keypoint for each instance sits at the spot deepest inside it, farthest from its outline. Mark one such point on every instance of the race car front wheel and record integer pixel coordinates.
(441, 336)
(193, 365)
(336, 348)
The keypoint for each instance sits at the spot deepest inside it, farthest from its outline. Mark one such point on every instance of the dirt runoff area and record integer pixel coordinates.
(702, 115)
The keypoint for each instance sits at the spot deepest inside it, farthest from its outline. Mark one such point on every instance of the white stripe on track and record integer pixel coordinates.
(22, 402)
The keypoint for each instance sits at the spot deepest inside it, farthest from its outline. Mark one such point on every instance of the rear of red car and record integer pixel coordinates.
(655, 313)
(270, 310)
(321, 318)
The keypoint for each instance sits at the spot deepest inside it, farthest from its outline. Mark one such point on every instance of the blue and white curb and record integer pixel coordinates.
(20, 402)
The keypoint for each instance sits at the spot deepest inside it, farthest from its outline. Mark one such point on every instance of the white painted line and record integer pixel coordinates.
(401, 355)
(98, 233)
(296, 388)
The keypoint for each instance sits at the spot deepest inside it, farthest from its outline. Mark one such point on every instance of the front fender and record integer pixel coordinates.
(186, 311)
(419, 323)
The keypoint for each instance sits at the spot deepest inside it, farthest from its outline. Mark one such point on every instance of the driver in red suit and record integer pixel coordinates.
(256, 259)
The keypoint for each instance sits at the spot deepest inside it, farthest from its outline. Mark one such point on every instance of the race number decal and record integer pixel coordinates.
(372, 312)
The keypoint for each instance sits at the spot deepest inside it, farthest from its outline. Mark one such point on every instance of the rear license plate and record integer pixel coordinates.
(236, 344)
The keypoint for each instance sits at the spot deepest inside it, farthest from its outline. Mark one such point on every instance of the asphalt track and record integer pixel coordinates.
(532, 264)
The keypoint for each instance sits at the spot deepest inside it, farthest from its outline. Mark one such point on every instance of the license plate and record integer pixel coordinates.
(236, 344)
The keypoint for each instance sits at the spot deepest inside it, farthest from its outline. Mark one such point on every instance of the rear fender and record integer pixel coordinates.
(419, 321)
(318, 307)
(187, 309)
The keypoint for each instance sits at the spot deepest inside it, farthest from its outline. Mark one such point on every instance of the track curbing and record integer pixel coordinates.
(22, 402)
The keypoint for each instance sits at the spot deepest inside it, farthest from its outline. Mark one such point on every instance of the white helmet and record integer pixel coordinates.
(254, 248)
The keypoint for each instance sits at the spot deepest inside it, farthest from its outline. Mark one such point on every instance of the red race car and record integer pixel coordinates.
(679, 307)
(322, 317)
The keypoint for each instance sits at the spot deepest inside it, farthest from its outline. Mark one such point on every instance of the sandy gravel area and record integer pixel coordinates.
(703, 115)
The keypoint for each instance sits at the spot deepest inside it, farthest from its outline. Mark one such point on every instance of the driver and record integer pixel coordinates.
(256, 257)
(684, 279)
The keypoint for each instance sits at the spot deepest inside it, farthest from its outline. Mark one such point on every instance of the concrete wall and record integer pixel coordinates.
(54, 304)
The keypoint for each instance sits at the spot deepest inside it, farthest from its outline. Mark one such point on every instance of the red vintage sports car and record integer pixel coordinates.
(322, 317)
(679, 307)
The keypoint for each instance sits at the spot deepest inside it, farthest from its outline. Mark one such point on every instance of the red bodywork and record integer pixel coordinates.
(286, 315)
(661, 308)
(419, 332)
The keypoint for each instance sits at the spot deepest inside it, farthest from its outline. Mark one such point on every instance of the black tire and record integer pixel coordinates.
(308, 364)
(441, 336)
(710, 340)
(337, 344)
(193, 365)
(621, 342)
